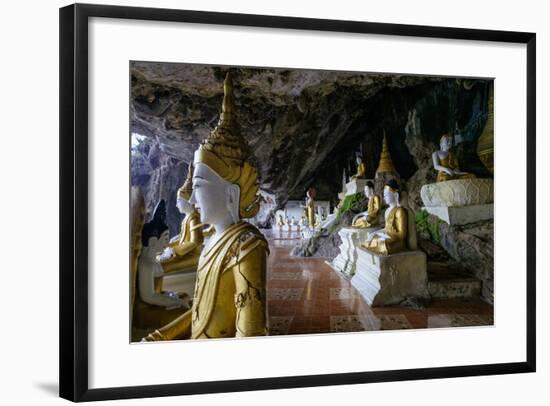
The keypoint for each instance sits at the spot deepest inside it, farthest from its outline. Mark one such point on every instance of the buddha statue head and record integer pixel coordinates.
(369, 189)
(225, 185)
(446, 142)
(358, 160)
(155, 233)
(391, 192)
(184, 193)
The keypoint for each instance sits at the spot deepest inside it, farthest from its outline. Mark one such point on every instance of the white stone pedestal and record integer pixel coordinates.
(462, 215)
(459, 201)
(356, 186)
(387, 280)
(351, 238)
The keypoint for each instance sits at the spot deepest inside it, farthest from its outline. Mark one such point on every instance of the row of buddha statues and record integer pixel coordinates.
(393, 236)
(445, 162)
(220, 192)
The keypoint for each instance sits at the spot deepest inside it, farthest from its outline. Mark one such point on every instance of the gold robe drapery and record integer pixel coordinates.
(396, 228)
(451, 162)
(373, 207)
(230, 296)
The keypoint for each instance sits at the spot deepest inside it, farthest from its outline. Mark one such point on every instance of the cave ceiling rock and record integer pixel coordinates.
(297, 120)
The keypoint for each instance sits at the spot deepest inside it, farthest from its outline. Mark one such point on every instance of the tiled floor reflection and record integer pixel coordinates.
(305, 295)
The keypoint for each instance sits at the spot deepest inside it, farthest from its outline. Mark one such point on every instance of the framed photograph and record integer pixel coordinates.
(255, 202)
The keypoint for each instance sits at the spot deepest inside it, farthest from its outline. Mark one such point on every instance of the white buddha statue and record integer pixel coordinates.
(445, 161)
(155, 238)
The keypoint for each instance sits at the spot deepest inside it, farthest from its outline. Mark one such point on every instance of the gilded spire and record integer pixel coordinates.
(187, 187)
(385, 164)
(226, 152)
(226, 140)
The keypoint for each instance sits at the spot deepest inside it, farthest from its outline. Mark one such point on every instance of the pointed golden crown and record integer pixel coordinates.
(187, 187)
(226, 140)
(226, 152)
(385, 164)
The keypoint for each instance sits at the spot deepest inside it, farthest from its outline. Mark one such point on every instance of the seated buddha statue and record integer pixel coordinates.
(152, 306)
(445, 161)
(393, 237)
(360, 169)
(230, 290)
(184, 250)
(368, 218)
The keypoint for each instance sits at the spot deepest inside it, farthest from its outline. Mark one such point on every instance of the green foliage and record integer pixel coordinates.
(423, 225)
(350, 203)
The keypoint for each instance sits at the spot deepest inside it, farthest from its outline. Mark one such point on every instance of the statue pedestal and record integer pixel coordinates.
(351, 238)
(459, 201)
(356, 186)
(462, 215)
(388, 280)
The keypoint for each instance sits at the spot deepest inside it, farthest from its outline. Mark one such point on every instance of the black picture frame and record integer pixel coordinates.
(73, 277)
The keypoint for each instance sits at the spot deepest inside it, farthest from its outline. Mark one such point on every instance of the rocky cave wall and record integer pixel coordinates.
(304, 127)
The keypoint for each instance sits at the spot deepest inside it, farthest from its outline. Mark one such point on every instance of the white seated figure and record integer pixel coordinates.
(155, 238)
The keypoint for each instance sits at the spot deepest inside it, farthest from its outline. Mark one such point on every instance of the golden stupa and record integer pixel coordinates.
(385, 164)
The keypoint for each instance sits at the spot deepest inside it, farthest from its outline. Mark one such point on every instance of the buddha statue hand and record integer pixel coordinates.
(177, 301)
(167, 254)
(357, 217)
(174, 239)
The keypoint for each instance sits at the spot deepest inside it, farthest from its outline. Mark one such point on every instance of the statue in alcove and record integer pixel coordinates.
(230, 291)
(368, 218)
(445, 162)
(184, 250)
(399, 228)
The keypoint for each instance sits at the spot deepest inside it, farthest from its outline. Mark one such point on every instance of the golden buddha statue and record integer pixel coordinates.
(230, 291)
(393, 237)
(310, 207)
(370, 217)
(360, 169)
(184, 250)
(445, 162)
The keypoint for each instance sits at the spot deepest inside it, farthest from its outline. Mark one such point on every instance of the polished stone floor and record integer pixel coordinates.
(305, 295)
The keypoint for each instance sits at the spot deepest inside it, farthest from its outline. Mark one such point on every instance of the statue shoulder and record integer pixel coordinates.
(401, 213)
(249, 241)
